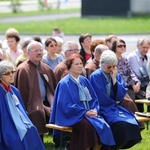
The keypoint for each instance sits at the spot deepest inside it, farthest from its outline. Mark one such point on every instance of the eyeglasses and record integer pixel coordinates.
(73, 50)
(9, 73)
(36, 50)
(53, 45)
(120, 46)
(109, 67)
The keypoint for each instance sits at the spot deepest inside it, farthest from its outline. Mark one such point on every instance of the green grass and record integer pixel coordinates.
(103, 25)
(143, 145)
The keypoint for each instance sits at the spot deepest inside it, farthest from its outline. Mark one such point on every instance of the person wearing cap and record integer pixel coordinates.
(16, 130)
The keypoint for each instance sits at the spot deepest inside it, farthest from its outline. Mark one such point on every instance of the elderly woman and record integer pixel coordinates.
(75, 104)
(110, 89)
(16, 130)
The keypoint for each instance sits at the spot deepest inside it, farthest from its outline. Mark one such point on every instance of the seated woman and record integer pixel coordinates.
(76, 105)
(124, 68)
(51, 58)
(128, 75)
(110, 89)
(16, 130)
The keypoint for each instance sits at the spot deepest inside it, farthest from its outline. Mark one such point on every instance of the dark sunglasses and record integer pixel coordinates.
(9, 73)
(120, 46)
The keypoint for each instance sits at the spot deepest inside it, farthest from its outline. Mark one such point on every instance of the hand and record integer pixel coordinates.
(114, 74)
(47, 110)
(136, 87)
(91, 113)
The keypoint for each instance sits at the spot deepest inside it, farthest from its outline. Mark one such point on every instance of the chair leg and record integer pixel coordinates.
(61, 140)
(147, 123)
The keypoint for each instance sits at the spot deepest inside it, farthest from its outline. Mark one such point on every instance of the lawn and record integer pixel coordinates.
(100, 25)
(143, 145)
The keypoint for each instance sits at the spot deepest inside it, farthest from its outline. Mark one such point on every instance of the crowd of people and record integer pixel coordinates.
(88, 85)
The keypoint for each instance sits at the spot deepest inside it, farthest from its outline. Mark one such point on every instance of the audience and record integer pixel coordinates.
(78, 107)
(36, 82)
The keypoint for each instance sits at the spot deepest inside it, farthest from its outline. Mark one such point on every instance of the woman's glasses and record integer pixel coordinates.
(9, 73)
(120, 46)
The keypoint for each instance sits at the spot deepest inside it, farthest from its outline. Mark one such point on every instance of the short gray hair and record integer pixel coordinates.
(4, 65)
(143, 40)
(66, 46)
(108, 56)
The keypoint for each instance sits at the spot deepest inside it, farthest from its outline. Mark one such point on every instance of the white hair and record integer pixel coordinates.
(4, 64)
(66, 46)
(108, 56)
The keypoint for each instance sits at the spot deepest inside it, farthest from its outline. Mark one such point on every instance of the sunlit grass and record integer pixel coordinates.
(117, 25)
(143, 145)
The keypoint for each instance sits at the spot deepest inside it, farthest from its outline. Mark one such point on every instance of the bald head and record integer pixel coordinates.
(98, 50)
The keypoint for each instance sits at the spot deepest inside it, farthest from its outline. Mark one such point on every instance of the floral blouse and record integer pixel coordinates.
(126, 72)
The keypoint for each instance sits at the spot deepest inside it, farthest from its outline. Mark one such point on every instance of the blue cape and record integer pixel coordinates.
(69, 110)
(111, 111)
(9, 137)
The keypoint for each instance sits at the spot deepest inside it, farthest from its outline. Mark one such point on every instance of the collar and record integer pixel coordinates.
(143, 57)
(7, 88)
(36, 65)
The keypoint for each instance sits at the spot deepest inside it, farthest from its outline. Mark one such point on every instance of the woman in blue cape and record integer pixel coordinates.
(110, 89)
(16, 130)
(75, 104)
